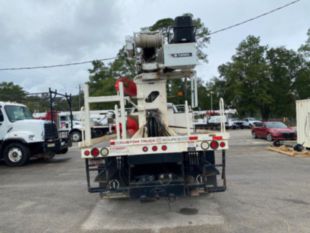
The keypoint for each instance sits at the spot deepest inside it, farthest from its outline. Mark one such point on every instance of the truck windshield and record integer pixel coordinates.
(17, 113)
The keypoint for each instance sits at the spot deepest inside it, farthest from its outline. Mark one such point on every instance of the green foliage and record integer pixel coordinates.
(284, 68)
(246, 79)
(162, 25)
(263, 81)
(15, 93)
(37, 104)
(11, 92)
(305, 48)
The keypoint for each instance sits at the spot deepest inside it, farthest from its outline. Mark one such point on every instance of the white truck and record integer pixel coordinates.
(100, 123)
(156, 161)
(22, 137)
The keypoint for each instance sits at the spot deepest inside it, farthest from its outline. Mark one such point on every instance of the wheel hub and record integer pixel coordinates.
(15, 154)
(75, 137)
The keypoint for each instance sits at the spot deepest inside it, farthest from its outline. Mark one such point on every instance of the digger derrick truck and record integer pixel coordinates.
(154, 161)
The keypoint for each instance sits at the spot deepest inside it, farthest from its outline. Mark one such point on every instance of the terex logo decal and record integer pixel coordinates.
(177, 55)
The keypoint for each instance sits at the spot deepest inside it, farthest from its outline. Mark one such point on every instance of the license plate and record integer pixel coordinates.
(51, 145)
(95, 162)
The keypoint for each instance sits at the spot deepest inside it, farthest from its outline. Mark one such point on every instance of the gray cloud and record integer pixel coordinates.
(37, 32)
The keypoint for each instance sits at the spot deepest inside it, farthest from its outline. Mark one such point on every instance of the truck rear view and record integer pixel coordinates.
(153, 160)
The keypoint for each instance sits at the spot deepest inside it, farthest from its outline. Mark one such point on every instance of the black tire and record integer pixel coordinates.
(16, 154)
(64, 151)
(277, 143)
(298, 147)
(48, 156)
(76, 136)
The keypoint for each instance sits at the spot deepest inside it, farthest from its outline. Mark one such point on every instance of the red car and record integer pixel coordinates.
(273, 131)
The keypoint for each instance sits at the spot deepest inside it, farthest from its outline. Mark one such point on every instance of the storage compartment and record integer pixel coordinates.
(183, 30)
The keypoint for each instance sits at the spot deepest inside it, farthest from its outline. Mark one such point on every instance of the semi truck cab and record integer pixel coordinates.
(22, 137)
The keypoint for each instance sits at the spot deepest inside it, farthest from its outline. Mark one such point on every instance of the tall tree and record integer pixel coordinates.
(246, 79)
(305, 48)
(284, 70)
(12, 92)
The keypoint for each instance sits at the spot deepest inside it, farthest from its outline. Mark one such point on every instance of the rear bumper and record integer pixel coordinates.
(52, 145)
(56, 146)
(285, 137)
(137, 177)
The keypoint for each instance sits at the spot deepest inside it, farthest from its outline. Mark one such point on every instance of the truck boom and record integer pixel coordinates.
(156, 161)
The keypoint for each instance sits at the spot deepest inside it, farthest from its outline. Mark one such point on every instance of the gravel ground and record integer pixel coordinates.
(267, 192)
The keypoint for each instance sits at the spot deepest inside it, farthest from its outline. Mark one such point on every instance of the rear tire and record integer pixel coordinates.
(16, 154)
(64, 151)
(48, 156)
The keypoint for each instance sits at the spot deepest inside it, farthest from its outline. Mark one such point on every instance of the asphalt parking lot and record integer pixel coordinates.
(267, 192)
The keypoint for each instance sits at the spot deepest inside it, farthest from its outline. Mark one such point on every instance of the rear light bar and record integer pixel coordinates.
(217, 138)
(193, 137)
(214, 145)
(86, 152)
(155, 148)
(95, 152)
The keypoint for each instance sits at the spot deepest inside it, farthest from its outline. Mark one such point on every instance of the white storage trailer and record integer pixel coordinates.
(303, 122)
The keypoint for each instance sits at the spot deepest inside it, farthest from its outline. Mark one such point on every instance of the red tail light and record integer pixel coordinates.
(194, 137)
(214, 145)
(154, 148)
(86, 152)
(145, 149)
(217, 137)
(112, 142)
(222, 144)
(95, 152)
(164, 147)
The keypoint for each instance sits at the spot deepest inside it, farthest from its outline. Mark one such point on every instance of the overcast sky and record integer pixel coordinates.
(46, 32)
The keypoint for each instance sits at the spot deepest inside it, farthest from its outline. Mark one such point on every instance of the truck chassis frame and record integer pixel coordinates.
(154, 189)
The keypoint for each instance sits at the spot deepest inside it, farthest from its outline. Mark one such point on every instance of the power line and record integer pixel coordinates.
(254, 18)
(54, 66)
(105, 59)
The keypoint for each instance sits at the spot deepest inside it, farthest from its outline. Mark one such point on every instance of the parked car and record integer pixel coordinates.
(250, 122)
(214, 122)
(273, 130)
(235, 123)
